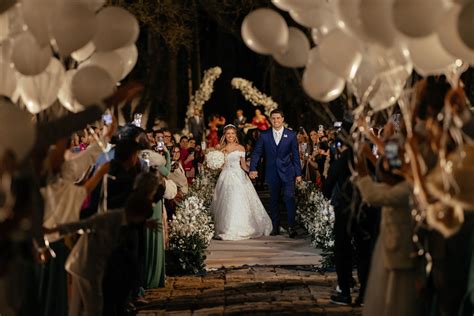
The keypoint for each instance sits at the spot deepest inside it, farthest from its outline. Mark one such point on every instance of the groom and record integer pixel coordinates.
(283, 167)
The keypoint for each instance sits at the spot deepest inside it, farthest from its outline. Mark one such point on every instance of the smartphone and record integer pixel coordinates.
(137, 120)
(160, 145)
(107, 118)
(337, 124)
(321, 128)
(392, 155)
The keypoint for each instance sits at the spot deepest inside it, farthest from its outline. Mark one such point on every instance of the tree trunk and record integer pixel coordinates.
(173, 90)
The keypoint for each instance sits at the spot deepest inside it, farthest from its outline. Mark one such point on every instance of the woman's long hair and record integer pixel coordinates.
(223, 141)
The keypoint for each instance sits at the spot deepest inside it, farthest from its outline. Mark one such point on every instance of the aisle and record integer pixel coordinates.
(272, 250)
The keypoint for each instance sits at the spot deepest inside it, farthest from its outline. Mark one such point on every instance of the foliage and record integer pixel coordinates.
(191, 228)
(316, 214)
(253, 95)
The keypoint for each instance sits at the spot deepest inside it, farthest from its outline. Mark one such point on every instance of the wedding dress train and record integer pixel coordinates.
(236, 207)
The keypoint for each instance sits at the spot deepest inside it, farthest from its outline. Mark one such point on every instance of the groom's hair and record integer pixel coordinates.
(277, 111)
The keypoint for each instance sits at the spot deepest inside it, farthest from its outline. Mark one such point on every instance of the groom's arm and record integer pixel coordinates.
(295, 156)
(256, 154)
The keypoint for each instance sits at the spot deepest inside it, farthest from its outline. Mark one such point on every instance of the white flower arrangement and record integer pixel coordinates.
(192, 228)
(215, 159)
(253, 95)
(316, 214)
(203, 94)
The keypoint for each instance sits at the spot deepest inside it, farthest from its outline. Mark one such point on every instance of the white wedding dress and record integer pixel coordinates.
(236, 207)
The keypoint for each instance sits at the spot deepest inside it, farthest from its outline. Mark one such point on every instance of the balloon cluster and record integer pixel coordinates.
(370, 45)
(74, 51)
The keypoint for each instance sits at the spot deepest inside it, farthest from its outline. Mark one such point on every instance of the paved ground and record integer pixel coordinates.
(277, 250)
(248, 291)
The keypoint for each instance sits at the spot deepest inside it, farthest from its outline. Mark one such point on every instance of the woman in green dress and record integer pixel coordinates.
(155, 238)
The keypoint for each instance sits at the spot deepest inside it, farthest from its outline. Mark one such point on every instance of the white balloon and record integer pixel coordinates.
(37, 18)
(84, 52)
(417, 18)
(298, 50)
(319, 82)
(429, 56)
(73, 27)
(110, 61)
(129, 56)
(288, 5)
(30, 59)
(449, 36)
(341, 52)
(65, 93)
(7, 79)
(315, 17)
(92, 84)
(265, 31)
(17, 131)
(348, 13)
(39, 92)
(377, 21)
(381, 76)
(116, 28)
(466, 24)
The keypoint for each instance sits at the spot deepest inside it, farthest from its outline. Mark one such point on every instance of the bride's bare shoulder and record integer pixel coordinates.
(241, 148)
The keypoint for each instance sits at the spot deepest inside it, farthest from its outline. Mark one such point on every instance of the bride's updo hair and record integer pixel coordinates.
(223, 141)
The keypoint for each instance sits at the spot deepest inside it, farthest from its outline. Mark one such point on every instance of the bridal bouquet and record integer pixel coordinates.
(215, 159)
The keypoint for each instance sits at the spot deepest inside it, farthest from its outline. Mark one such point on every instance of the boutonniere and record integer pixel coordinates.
(284, 135)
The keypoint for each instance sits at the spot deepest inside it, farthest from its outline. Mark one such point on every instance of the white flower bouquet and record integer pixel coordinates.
(192, 228)
(316, 214)
(215, 159)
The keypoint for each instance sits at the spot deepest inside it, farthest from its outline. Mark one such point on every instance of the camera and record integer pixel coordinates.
(392, 154)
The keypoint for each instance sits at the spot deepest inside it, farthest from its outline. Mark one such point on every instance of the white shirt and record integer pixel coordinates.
(277, 135)
(197, 119)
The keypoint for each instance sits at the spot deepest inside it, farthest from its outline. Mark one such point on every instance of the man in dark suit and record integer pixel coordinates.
(240, 122)
(196, 126)
(283, 168)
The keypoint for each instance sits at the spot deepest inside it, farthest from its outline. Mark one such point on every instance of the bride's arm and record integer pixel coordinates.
(243, 161)
(243, 164)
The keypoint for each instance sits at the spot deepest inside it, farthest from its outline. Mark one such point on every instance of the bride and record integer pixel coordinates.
(237, 209)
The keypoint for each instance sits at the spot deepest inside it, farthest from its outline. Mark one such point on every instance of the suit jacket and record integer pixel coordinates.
(238, 122)
(282, 160)
(89, 256)
(396, 227)
(196, 128)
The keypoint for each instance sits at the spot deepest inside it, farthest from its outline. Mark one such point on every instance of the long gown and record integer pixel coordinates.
(236, 207)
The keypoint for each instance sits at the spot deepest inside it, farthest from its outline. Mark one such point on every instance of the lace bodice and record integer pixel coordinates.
(232, 159)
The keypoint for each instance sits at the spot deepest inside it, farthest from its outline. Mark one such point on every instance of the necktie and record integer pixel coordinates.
(277, 137)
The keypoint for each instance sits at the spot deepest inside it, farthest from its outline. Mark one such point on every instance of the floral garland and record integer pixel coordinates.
(192, 228)
(203, 94)
(316, 214)
(253, 95)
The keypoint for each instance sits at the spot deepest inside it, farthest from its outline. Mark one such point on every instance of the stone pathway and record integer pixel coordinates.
(248, 291)
(277, 250)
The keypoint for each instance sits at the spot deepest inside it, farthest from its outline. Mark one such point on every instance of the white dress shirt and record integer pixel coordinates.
(277, 135)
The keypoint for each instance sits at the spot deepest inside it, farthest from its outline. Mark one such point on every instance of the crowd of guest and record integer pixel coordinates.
(97, 199)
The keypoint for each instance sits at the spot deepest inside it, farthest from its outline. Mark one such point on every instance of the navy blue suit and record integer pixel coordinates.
(282, 167)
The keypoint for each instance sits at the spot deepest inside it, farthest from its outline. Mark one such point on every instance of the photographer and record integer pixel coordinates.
(391, 288)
